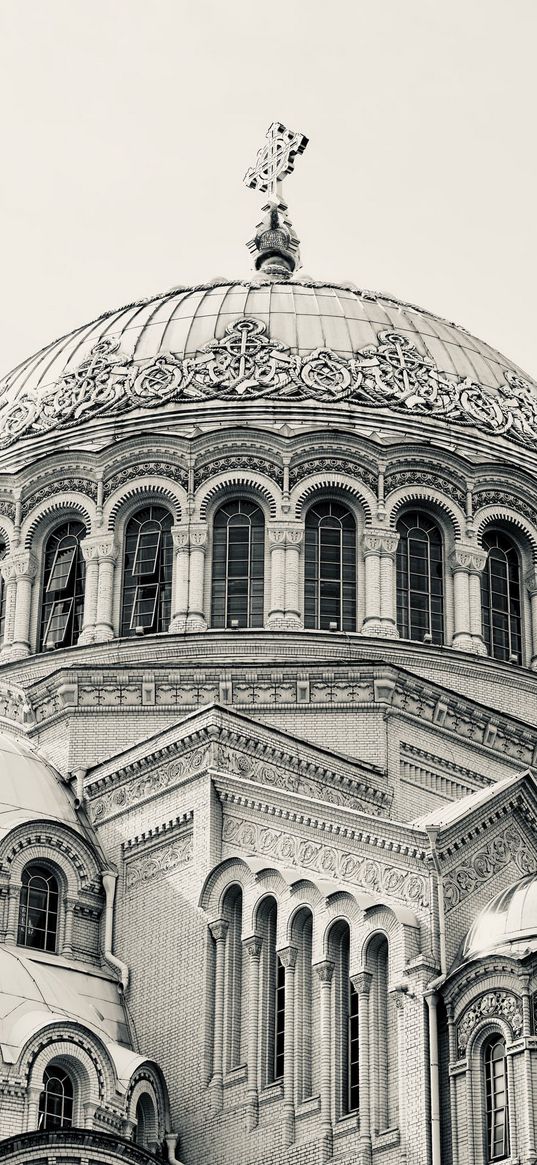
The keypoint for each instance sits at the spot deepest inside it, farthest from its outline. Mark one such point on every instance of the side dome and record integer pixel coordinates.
(30, 788)
(297, 345)
(507, 925)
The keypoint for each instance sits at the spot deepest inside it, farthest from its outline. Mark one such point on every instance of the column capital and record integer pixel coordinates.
(99, 547)
(531, 582)
(285, 535)
(219, 929)
(252, 945)
(325, 970)
(383, 543)
(471, 559)
(199, 534)
(362, 982)
(20, 564)
(288, 957)
(181, 538)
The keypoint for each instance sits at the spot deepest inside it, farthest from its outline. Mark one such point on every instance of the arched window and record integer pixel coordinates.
(147, 572)
(56, 1099)
(496, 1100)
(232, 911)
(38, 908)
(3, 552)
(500, 598)
(383, 1052)
(330, 568)
(304, 1044)
(238, 565)
(420, 579)
(345, 1022)
(272, 996)
(145, 1129)
(62, 605)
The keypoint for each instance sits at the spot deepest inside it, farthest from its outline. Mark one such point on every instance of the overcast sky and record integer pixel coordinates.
(127, 127)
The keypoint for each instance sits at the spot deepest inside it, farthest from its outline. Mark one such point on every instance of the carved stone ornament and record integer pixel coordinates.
(325, 970)
(238, 461)
(495, 1003)
(246, 364)
(64, 485)
(496, 497)
(470, 558)
(508, 846)
(323, 465)
(414, 477)
(161, 860)
(168, 469)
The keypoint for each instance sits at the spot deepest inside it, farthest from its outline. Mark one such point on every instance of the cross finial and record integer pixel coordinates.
(276, 241)
(275, 160)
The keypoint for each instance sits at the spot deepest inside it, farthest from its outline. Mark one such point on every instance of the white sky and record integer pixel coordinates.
(127, 126)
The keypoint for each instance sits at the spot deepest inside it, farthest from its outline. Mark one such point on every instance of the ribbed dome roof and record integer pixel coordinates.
(30, 789)
(92, 371)
(507, 924)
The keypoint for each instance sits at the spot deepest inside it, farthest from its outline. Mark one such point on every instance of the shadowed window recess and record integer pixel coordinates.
(38, 908)
(497, 1148)
(238, 565)
(330, 568)
(56, 1099)
(147, 572)
(62, 605)
(500, 598)
(420, 579)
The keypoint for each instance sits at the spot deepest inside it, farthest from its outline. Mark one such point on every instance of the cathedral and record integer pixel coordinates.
(268, 730)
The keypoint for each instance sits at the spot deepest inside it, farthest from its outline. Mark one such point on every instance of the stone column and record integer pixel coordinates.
(9, 577)
(401, 1074)
(181, 546)
(276, 541)
(196, 620)
(460, 565)
(325, 971)
(293, 550)
(388, 606)
(288, 957)
(90, 551)
(13, 912)
(69, 909)
(477, 565)
(362, 986)
(252, 946)
(25, 568)
(372, 549)
(33, 1092)
(107, 555)
(531, 583)
(219, 929)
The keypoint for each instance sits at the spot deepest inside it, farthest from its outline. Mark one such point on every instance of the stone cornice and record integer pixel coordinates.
(150, 836)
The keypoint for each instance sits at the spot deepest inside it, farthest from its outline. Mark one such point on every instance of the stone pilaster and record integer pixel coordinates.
(285, 544)
(21, 568)
(362, 985)
(196, 619)
(219, 929)
(531, 584)
(181, 547)
(9, 581)
(253, 946)
(288, 957)
(107, 553)
(379, 549)
(325, 971)
(467, 563)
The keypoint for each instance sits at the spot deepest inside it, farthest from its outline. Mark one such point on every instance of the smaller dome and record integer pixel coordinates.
(30, 788)
(508, 924)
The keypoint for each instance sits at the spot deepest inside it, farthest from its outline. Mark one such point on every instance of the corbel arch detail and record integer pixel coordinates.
(256, 486)
(50, 514)
(123, 503)
(335, 484)
(430, 498)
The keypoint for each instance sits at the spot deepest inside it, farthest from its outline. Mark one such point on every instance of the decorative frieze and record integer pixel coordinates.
(507, 846)
(161, 860)
(148, 785)
(172, 470)
(501, 1004)
(370, 874)
(496, 497)
(247, 364)
(395, 479)
(233, 461)
(329, 790)
(329, 465)
(57, 488)
(444, 777)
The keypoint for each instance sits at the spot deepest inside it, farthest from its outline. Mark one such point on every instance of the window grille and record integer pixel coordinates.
(56, 1100)
(420, 579)
(500, 598)
(38, 909)
(238, 565)
(353, 1050)
(330, 568)
(147, 572)
(496, 1101)
(62, 605)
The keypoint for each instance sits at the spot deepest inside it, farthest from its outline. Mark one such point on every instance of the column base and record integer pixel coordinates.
(253, 1112)
(378, 628)
(479, 645)
(326, 1146)
(278, 621)
(87, 635)
(365, 1151)
(196, 623)
(103, 633)
(178, 625)
(463, 641)
(216, 1093)
(288, 1127)
(14, 651)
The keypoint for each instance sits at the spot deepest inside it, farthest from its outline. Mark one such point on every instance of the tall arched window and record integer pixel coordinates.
(345, 1022)
(330, 568)
(500, 598)
(496, 1100)
(62, 605)
(301, 937)
(383, 1051)
(38, 908)
(3, 552)
(420, 579)
(145, 1129)
(56, 1099)
(232, 911)
(272, 996)
(238, 565)
(147, 572)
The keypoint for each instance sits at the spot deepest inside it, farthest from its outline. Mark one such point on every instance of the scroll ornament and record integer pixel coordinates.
(247, 365)
(494, 1003)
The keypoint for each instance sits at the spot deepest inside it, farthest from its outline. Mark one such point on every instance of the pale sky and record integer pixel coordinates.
(127, 127)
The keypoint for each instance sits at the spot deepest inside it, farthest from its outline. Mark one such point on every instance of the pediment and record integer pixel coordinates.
(234, 748)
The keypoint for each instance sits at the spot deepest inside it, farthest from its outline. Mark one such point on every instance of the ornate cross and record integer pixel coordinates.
(275, 160)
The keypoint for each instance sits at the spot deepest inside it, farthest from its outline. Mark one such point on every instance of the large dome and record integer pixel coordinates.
(508, 924)
(278, 341)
